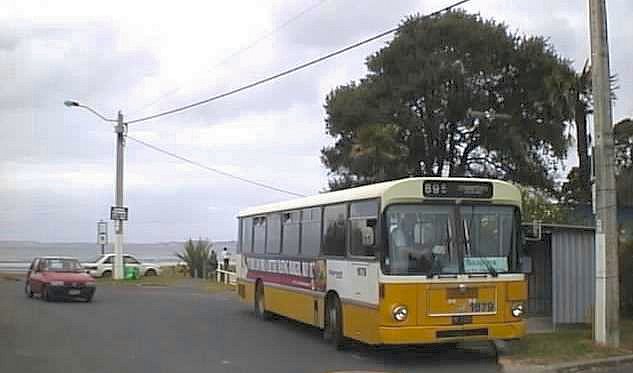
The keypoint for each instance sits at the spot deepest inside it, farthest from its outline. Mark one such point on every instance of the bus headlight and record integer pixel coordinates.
(400, 313)
(517, 310)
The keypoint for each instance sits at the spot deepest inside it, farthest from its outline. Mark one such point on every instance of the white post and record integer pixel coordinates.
(118, 224)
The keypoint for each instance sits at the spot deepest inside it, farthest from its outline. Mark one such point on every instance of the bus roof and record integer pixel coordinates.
(390, 191)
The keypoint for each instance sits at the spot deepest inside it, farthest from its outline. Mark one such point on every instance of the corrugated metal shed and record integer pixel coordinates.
(540, 280)
(573, 274)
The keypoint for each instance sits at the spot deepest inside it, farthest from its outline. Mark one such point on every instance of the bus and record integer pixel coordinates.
(410, 261)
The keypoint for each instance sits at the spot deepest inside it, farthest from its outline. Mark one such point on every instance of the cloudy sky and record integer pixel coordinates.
(57, 164)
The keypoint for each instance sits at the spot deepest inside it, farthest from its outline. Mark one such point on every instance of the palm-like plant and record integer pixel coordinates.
(196, 256)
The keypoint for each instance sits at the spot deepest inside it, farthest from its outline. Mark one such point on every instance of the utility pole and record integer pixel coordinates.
(120, 130)
(607, 306)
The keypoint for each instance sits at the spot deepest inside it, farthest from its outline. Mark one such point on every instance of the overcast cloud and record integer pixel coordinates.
(57, 164)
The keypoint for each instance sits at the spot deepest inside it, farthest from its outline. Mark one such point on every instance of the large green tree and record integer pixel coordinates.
(412, 114)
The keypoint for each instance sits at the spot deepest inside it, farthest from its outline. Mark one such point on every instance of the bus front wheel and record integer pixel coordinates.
(260, 303)
(333, 331)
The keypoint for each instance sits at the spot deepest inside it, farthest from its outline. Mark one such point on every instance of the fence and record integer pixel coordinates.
(226, 277)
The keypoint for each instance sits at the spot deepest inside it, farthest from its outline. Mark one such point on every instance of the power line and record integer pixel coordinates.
(243, 49)
(289, 71)
(215, 170)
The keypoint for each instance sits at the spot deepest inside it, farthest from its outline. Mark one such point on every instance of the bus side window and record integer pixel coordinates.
(259, 234)
(247, 235)
(290, 233)
(310, 231)
(334, 224)
(273, 235)
(363, 223)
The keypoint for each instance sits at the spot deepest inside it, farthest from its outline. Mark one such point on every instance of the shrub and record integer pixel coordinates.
(198, 258)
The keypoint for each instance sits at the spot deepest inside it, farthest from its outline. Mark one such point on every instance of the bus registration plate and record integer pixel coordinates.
(461, 320)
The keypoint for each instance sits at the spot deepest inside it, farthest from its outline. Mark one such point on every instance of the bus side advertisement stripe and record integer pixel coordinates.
(282, 279)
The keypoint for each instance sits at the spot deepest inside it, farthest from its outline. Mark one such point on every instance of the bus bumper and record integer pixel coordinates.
(441, 334)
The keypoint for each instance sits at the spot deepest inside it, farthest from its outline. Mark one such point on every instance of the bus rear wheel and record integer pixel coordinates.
(260, 302)
(333, 331)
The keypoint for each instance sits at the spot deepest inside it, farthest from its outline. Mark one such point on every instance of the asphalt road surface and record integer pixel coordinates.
(187, 330)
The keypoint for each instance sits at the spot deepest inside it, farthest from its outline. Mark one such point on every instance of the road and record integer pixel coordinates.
(132, 329)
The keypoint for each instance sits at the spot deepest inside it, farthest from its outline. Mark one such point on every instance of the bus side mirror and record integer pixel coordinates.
(368, 236)
(525, 264)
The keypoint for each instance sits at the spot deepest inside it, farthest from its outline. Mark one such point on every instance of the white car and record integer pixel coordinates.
(102, 266)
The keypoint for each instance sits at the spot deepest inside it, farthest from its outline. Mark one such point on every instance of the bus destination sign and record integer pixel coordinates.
(457, 189)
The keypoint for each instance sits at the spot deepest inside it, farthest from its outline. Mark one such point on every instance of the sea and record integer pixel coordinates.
(16, 256)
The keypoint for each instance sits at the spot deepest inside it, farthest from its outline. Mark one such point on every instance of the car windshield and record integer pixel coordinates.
(61, 265)
(446, 239)
(97, 259)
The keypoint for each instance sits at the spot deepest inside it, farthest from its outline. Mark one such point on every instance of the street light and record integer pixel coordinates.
(120, 129)
(70, 103)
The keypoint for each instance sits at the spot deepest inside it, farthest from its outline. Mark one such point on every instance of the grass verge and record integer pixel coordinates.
(169, 277)
(568, 344)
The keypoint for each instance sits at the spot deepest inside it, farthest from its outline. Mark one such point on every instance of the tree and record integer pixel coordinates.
(577, 189)
(581, 100)
(538, 205)
(375, 154)
(410, 115)
(626, 277)
(197, 257)
(623, 134)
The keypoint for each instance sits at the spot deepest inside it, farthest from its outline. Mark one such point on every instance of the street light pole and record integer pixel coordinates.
(607, 301)
(120, 129)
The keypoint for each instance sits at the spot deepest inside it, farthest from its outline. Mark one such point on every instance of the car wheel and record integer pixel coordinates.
(28, 290)
(106, 274)
(260, 303)
(89, 299)
(150, 272)
(333, 331)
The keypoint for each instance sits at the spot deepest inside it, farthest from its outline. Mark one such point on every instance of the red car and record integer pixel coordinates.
(59, 278)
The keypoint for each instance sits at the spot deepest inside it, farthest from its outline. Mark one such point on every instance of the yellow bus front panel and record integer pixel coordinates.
(447, 312)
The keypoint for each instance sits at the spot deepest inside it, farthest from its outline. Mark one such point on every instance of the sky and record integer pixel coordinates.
(142, 57)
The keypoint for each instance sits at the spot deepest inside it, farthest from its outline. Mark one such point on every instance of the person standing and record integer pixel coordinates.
(226, 256)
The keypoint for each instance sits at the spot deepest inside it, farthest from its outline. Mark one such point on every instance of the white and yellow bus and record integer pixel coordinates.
(411, 261)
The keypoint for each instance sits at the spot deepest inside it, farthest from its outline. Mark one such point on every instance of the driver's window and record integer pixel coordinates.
(108, 260)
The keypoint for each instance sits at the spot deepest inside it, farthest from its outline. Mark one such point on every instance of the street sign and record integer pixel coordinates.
(118, 213)
(102, 239)
(102, 235)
